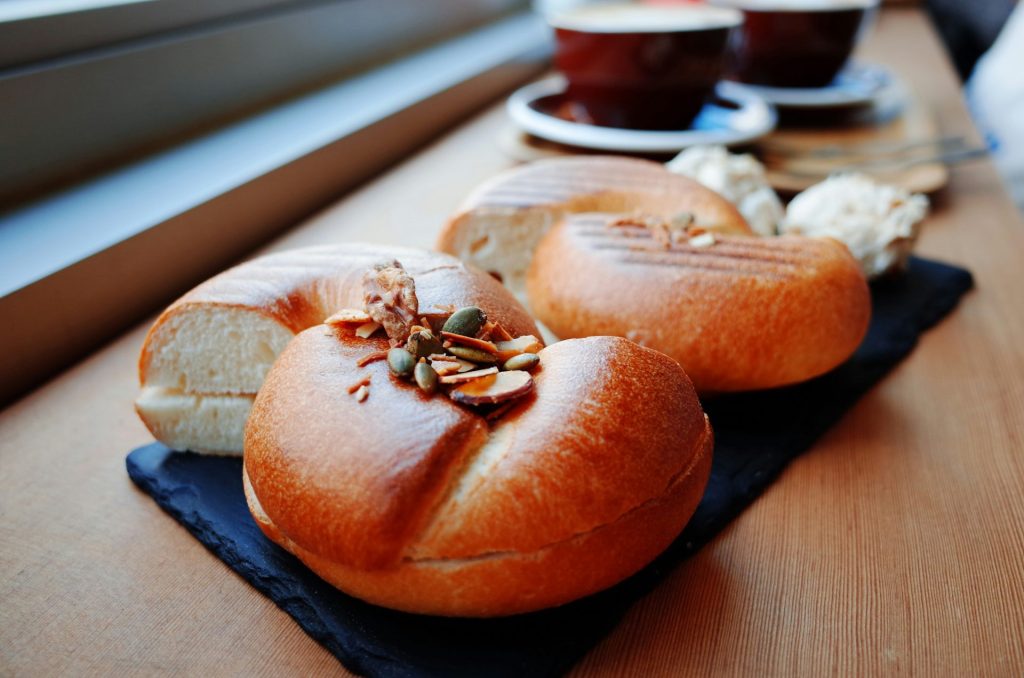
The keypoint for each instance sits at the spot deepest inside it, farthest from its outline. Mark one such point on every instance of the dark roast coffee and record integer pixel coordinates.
(795, 43)
(642, 67)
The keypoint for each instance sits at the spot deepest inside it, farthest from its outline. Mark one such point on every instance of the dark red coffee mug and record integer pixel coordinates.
(795, 43)
(642, 66)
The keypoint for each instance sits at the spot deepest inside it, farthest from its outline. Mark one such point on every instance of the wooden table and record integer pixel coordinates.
(896, 545)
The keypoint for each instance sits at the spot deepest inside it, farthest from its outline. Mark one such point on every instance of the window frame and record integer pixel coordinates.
(83, 112)
(67, 286)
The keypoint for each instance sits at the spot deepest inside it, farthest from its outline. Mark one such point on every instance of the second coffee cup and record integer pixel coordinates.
(796, 43)
(642, 66)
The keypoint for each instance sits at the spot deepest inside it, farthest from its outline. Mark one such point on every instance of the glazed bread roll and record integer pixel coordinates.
(205, 358)
(738, 313)
(420, 504)
(500, 223)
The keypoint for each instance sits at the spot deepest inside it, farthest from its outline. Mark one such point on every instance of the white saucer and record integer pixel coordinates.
(749, 118)
(857, 84)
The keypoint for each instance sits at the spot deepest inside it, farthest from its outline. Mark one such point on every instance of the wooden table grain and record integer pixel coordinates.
(895, 546)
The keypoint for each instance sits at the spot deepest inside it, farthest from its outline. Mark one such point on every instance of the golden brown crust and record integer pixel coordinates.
(744, 313)
(300, 288)
(498, 225)
(609, 184)
(421, 505)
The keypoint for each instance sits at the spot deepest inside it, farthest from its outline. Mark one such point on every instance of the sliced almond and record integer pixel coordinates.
(471, 342)
(462, 377)
(498, 388)
(703, 240)
(365, 381)
(453, 366)
(466, 366)
(524, 344)
(444, 367)
(348, 316)
(442, 356)
(362, 393)
(366, 330)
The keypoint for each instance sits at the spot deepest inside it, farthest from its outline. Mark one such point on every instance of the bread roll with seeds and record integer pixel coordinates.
(498, 226)
(205, 357)
(738, 313)
(420, 504)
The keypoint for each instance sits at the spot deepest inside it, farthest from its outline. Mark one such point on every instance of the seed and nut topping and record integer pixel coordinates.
(401, 363)
(497, 388)
(465, 321)
(681, 228)
(426, 377)
(389, 295)
(475, 361)
(523, 361)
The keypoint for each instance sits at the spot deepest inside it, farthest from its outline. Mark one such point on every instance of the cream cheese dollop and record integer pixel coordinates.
(878, 222)
(740, 179)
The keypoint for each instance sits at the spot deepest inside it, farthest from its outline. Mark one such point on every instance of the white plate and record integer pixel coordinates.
(715, 124)
(857, 84)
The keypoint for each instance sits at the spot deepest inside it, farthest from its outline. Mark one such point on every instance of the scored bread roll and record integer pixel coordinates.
(419, 504)
(500, 223)
(205, 357)
(738, 313)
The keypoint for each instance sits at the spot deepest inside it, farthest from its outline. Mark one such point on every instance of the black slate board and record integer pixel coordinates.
(757, 434)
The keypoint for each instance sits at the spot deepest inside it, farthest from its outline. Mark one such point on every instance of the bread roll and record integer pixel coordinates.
(738, 313)
(206, 356)
(500, 223)
(419, 504)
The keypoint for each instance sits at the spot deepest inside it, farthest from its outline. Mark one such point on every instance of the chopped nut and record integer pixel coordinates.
(366, 330)
(348, 316)
(362, 394)
(485, 331)
(389, 294)
(468, 376)
(682, 221)
(662, 234)
(493, 389)
(639, 219)
(443, 367)
(661, 230)
(703, 240)
(472, 342)
(365, 381)
(524, 344)
(371, 357)
(442, 356)
(500, 333)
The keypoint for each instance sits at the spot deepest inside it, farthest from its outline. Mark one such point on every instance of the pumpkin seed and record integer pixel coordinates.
(523, 361)
(473, 355)
(466, 321)
(426, 377)
(401, 363)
